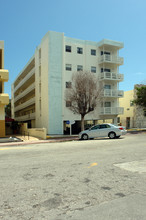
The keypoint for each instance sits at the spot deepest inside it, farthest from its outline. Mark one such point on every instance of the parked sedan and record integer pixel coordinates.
(102, 130)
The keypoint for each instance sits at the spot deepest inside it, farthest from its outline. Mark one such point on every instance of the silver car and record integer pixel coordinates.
(102, 130)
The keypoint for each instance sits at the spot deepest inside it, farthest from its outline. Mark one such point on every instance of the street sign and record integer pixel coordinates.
(72, 122)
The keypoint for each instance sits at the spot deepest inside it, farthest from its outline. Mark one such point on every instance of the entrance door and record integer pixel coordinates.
(128, 122)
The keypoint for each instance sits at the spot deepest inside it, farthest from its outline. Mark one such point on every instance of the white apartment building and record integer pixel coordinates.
(38, 93)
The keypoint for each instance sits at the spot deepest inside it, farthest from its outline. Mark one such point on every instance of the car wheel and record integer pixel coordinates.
(84, 137)
(112, 135)
(118, 136)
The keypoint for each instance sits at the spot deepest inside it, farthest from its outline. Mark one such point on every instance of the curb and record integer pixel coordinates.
(15, 144)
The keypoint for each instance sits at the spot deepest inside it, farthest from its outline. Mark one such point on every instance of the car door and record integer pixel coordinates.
(95, 131)
(104, 130)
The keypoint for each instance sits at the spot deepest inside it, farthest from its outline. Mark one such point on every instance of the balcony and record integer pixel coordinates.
(113, 93)
(29, 116)
(4, 99)
(111, 111)
(25, 104)
(27, 77)
(111, 76)
(4, 75)
(25, 92)
(106, 58)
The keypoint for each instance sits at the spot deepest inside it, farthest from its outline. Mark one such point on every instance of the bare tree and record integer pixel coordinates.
(84, 94)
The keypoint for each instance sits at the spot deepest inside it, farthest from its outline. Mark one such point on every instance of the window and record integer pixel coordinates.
(105, 52)
(39, 87)
(93, 52)
(68, 103)
(107, 86)
(68, 67)
(39, 71)
(103, 126)
(95, 127)
(68, 85)
(79, 68)
(1, 87)
(93, 69)
(105, 70)
(68, 48)
(79, 50)
(40, 53)
(118, 120)
(131, 103)
(107, 104)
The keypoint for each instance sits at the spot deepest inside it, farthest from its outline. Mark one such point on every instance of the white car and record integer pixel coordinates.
(102, 130)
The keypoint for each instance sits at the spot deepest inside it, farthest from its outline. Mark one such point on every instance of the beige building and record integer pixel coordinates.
(134, 116)
(127, 119)
(38, 93)
(4, 98)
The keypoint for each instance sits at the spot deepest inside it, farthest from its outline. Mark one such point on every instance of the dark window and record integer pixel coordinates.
(103, 126)
(68, 48)
(95, 127)
(68, 103)
(79, 50)
(68, 84)
(107, 86)
(107, 104)
(93, 69)
(131, 103)
(68, 67)
(105, 52)
(1, 87)
(93, 52)
(79, 68)
(105, 70)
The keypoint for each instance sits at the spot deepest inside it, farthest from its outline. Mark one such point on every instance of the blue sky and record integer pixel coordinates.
(25, 22)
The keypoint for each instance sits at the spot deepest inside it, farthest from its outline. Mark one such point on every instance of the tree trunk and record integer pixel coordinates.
(82, 123)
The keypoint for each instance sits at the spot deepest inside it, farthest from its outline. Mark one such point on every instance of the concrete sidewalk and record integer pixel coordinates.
(33, 140)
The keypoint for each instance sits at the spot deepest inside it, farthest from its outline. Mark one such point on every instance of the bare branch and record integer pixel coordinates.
(84, 94)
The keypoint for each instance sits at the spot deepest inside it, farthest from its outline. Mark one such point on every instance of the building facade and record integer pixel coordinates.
(4, 98)
(38, 93)
(134, 116)
(127, 119)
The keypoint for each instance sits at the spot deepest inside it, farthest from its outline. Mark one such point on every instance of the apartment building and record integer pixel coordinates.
(38, 93)
(4, 98)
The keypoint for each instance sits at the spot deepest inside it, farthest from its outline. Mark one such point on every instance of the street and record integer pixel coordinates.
(75, 180)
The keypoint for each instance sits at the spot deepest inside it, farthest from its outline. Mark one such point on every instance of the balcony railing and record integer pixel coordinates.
(25, 79)
(30, 116)
(4, 75)
(113, 93)
(4, 99)
(25, 92)
(106, 58)
(111, 76)
(25, 104)
(111, 111)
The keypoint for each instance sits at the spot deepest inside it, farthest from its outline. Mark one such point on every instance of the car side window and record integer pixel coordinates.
(103, 126)
(95, 127)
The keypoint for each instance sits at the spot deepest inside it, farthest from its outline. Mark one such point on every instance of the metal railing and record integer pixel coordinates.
(113, 93)
(111, 111)
(111, 76)
(111, 59)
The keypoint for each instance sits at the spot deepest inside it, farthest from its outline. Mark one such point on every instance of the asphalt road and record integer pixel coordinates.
(99, 179)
